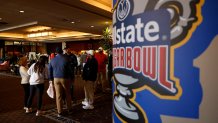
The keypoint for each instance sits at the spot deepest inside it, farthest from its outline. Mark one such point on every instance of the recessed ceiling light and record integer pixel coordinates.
(92, 26)
(106, 22)
(21, 11)
(0, 18)
(72, 22)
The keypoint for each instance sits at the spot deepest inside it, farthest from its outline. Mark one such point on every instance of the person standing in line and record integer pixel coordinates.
(38, 72)
(51, 56)
(90, 70)
(101, 77)
(60, 74)
(83, 59)
(24, 79)
(73, 63)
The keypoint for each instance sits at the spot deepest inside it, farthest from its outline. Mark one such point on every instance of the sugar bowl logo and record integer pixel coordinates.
(145, 36)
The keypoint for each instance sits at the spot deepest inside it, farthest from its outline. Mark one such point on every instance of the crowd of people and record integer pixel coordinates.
(60, 70)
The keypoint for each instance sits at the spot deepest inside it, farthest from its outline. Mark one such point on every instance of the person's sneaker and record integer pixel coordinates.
(29, 110)
(88, 107)
(40, 113)
(60, 115)
(85, 103)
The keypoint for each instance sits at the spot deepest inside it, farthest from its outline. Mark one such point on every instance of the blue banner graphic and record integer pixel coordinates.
(154, 45)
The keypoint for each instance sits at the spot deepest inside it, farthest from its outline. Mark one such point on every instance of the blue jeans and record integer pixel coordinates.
(40, 89)
(26, 88)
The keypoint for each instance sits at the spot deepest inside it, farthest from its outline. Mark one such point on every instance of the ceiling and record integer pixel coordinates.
(67, 20)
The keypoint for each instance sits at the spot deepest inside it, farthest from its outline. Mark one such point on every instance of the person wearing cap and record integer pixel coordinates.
(60, 74)
(101, 77)
(89, 74)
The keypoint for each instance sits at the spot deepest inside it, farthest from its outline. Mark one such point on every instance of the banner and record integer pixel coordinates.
(159, 74)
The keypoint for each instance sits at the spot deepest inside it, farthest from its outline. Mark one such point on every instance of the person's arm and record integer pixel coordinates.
(30, 70)
(46, 72)
(96, 66)
(105, 59)
(74, 60)
(69, 70)
(23, 71)
(50, 72)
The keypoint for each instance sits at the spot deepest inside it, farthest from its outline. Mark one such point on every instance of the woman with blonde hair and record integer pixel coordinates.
(24, 79)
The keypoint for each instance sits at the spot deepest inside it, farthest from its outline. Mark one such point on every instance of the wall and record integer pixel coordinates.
(83, 45)
(2, 48)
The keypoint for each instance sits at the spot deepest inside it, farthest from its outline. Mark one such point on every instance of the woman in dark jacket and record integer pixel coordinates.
(90, 70)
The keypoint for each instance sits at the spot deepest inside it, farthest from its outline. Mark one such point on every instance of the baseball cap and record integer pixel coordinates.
(100, 48)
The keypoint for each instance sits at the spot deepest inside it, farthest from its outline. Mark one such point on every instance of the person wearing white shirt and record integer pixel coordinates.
(24, 79)
(38, 72)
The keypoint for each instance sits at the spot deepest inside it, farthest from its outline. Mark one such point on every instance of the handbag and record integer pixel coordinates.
(50, 90)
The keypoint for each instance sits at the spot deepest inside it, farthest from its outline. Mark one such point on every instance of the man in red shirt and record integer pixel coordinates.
(101, 76)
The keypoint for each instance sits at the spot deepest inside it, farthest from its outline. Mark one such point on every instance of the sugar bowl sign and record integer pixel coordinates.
(146, 34)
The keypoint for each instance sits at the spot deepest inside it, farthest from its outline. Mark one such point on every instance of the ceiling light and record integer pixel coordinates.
(0, 18)
(38, 28)
(91, 26)
(39, 34)
(106, 22)
(21, 11)
(72, 22)
(102, 4)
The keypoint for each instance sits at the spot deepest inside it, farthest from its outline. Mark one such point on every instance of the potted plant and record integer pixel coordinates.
(106, 42)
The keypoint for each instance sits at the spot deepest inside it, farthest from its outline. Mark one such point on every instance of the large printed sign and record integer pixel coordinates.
(147, 64)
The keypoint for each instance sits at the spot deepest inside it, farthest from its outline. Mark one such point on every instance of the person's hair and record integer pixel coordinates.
(22, 61)
(40, 65)
(45, 58)
(59, 50)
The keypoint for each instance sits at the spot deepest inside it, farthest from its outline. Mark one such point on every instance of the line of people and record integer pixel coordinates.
(60, 72)
(32, 80)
